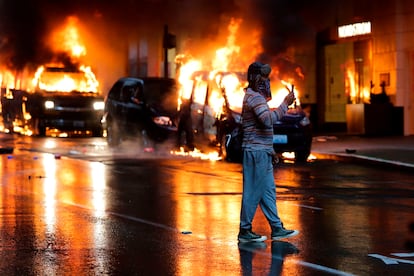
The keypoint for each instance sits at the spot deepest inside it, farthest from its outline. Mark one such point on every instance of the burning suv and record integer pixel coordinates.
(134, 109)
(63, 98)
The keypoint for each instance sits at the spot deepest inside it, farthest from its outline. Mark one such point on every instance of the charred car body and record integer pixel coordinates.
(67, 107)
(134, 109)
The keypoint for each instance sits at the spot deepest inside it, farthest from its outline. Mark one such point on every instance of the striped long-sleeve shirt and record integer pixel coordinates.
(257, 121)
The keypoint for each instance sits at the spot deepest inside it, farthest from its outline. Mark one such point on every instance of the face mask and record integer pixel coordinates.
(263, 87)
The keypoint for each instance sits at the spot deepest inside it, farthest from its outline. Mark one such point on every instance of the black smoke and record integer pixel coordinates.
(25, 24)
(20, 28)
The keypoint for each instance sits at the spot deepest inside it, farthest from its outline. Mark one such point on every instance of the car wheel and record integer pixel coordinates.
(38, 127)
(223, 148)
(232, 149)
(113, 137)
(302, 155)
(7, 122)
(97, 132)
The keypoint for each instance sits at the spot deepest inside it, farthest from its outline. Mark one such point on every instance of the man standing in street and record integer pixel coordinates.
(258, 179)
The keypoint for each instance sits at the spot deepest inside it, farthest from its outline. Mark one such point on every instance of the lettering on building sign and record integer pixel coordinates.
(354, 29)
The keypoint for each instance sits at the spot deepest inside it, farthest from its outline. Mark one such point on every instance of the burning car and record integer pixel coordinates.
(61, 97)
(133, 109)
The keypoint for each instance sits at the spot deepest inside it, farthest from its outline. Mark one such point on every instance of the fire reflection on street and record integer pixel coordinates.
(220, 209)
(99, 185)
(49, 191)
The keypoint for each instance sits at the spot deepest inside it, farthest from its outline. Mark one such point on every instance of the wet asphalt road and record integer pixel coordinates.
(82, 209)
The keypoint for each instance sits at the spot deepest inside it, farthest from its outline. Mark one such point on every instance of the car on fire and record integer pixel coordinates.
(61, 99)
(293, 133)
(139, 108)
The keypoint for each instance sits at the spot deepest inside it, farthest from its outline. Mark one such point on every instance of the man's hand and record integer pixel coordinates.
(290, 98)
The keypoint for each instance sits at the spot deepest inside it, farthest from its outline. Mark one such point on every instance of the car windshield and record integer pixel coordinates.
(62, 79)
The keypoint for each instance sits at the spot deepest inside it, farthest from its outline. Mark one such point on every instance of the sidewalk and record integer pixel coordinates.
(393, 150)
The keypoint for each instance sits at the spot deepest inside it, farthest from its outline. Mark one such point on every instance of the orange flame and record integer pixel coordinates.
(196, 153)
(68, 39)
(355, 93)
(82, 81)
(214, 82)
(65, 39)
(205, 79)
(210, 77)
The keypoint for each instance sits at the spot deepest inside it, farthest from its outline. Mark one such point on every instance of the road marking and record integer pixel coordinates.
(323, 268)
(381, 160)
(389, 260)
(403, 255)
(305, 264)
(308, 206)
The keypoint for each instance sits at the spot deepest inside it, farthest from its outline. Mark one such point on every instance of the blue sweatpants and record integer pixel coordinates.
(258, 189)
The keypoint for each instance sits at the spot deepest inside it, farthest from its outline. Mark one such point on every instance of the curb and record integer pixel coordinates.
(363, 159)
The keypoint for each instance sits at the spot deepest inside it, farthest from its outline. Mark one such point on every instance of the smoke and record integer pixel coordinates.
(20, 29)
(25, 25)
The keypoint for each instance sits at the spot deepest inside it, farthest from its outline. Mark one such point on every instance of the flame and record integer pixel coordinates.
(185, 80)
(83, 80)
(58, 75)
(68, 39)
(356, 94)
(289, 86)
(91, 83)
(7, 79)
(224, 55)
(196, 78)
(210, 77)
(289, 157)
(203, 80)
(54, 76)
(196, 153)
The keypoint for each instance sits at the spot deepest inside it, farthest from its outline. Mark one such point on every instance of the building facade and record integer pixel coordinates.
(366, 60)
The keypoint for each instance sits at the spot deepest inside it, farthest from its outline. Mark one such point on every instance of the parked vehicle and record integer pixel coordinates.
(136, 108)
(48, 106)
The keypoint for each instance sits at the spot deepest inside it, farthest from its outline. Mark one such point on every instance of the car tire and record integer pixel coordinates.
(113, 137)
(97, 132)
(223, 149)
(39, 129)
(302, 155)
(231, 149)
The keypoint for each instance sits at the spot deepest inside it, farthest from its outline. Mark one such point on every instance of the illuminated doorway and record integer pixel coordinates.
(347, 79)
